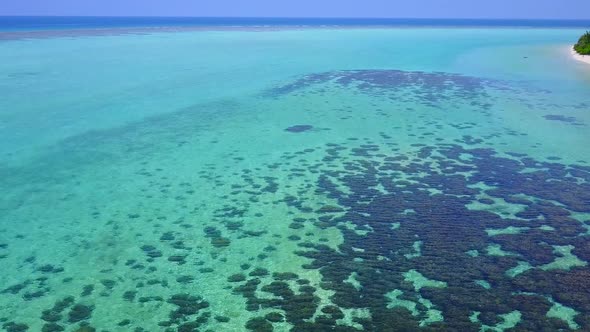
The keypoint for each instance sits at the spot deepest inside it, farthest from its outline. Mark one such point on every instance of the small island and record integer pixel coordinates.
(581, 51)
(583, 45)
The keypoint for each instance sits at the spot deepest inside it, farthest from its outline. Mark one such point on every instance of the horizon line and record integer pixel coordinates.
(309, 17)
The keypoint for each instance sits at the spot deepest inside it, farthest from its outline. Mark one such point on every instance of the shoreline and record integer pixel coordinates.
(579, 57)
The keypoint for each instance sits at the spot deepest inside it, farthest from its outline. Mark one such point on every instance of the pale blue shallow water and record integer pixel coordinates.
(295, 179)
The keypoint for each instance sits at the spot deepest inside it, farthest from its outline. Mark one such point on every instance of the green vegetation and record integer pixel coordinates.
(583, 45)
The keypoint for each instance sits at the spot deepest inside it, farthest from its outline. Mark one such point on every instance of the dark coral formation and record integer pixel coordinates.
(448, 230)
(151, 251)
(299, 128)
(80, 312)
(427, 87)
(428, 196)
(188, 316)
(54, 315)
(299, 306)
(562, 118)
(15, 327)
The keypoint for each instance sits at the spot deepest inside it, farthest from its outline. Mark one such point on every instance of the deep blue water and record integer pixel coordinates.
(24, 23)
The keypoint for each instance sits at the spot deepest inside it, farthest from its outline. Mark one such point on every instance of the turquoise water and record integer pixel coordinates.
(295, 180)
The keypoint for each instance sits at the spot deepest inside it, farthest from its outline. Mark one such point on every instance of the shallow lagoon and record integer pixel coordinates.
(296, 179)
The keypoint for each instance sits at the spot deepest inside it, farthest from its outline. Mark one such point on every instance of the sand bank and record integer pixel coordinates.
(579, 57)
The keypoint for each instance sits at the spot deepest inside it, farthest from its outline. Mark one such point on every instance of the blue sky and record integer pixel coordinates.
(557, 9)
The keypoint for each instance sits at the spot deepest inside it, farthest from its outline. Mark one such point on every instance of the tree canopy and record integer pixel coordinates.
(583, 45)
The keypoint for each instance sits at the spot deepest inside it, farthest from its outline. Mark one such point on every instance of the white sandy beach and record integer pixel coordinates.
(579, 57)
